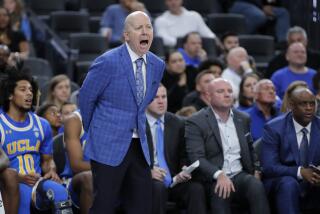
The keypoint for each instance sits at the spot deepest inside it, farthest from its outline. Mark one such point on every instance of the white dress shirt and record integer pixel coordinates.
(231, 147)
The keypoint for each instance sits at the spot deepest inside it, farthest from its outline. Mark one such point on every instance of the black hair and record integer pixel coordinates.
(227, 34)
(43, 109)
(9, 82)
(206, 64)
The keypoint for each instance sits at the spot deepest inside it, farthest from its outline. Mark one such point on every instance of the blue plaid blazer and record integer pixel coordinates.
(108, 104)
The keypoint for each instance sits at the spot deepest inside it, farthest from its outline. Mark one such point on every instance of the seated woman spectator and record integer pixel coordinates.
(59, 90)
(15, 40)
(19, 19)
(285, 102)
(51, 113)
(246, 94)
(175, 79)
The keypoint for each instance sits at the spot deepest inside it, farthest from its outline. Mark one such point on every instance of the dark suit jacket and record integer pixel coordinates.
(280, 152)
(109, 108)
(174, 145)
(203, 142)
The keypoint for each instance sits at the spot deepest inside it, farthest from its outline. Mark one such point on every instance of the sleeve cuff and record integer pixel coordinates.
(216, 174)
(299, 173)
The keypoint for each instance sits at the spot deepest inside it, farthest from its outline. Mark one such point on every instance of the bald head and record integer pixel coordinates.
(220, 94)
(298, 92)
(303, 105)
(236, 56)
(138, 32)
(132, 17)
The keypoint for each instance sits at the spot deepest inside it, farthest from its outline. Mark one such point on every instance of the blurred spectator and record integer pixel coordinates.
(66, 109)
(175, 80)
(19, 18)
(294, 34)
(214, 65)
(52, 114)
(186, 111)
(316, 86)
(8, 61)
(177, 22)
(229, 41)
(112, 21)
(237, 66)
(198, 97)
(287, 95)
(296, 70)
(246, 94)
(59, 90)
(192, 50)
(257, 13)
(264, 108)
(15, 40)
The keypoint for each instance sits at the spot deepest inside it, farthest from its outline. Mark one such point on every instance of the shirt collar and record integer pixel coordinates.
(298, 127)
(219, 118)
(134, 56)
(152, 120)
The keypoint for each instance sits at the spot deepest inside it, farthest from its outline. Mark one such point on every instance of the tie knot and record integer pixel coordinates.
(304, 131)
(158, 122)
(139, 62)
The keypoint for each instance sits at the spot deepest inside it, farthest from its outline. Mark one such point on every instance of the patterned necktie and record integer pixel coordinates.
(304, 148)
(160, 154)
(139, 80)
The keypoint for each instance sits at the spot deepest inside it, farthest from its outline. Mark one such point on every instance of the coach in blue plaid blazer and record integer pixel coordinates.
(113, 119)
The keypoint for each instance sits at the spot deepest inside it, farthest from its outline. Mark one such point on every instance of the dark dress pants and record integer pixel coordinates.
(248, 190)
(189, 196)
(128, 184)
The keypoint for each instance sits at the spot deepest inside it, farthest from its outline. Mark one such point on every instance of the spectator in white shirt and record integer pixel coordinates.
(178, 21)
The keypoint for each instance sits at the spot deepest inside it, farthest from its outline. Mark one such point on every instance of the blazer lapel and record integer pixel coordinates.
(212, 121)
(149, 77)
(127, 66)
(238, 123)
(314, 138)
(292, 139)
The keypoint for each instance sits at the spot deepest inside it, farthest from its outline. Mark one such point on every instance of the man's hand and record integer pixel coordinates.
(52, 175)
(202, 54)
(267, 9)
(257, 174)
(310, 176)
(224, 186)
(182, 176)
(30, 179)
(158, 173)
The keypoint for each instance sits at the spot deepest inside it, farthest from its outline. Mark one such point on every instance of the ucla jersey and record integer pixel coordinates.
(25, 142)
(67, 171)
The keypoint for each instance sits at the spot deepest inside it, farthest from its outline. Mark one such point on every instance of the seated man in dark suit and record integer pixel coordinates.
(289, 145)
(218, 136)
(165, 134)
